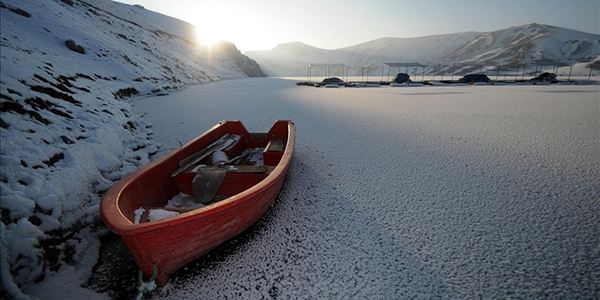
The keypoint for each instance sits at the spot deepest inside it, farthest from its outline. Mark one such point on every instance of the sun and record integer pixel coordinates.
(210, 27)
(216, 22)
(207, 37)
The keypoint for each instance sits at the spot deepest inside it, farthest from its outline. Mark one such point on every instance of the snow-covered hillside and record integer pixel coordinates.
(66, 131)
(529, 43)
(292, 58)
(522, 44)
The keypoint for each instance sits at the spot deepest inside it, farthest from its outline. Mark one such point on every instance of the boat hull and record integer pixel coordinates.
(171, 243)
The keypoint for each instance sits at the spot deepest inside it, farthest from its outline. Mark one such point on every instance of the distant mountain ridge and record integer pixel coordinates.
(520, 44)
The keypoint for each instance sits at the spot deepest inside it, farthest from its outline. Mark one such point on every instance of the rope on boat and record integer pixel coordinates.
(146, 287)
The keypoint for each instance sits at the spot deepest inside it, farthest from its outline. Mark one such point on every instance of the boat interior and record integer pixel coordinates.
(234, 172)
(241, 174)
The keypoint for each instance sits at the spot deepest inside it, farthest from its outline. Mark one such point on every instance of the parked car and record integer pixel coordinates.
(332, 80)
(472, 78)
(545, 77)
(401, 78)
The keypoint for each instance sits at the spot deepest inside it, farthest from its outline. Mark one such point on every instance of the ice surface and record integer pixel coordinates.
(435, 192)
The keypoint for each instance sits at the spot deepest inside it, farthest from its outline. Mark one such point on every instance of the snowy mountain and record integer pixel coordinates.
(529, 43)
(292, 58)
(67, 131)
(522, 44)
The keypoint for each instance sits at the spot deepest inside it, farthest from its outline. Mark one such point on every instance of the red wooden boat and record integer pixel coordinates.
(239, 196)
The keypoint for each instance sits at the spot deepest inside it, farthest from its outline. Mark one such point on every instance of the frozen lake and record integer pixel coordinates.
(420, 192)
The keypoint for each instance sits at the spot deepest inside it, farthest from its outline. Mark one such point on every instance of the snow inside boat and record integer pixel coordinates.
(179, 207)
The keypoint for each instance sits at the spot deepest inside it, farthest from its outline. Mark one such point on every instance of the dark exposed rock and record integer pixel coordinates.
(54, 159)
(55, 94)
(2, 96)
(39, 103)
(125, 93)
(249, 66)
(20, 12)
(11, 106)
(74, 47)
(66, 140)
(35, 220)
(10, 91)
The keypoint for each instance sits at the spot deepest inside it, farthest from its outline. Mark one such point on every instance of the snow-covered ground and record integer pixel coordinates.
(396, 193)
(408, 192)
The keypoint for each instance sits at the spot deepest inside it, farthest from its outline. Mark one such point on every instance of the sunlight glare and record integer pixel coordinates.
(206, 37)
(210, 28)
(216, 22)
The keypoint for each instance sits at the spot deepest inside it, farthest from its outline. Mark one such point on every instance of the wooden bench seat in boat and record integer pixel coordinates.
(237, 178)
(273, 152)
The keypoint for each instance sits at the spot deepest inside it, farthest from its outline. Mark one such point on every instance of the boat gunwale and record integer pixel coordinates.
(123, 226)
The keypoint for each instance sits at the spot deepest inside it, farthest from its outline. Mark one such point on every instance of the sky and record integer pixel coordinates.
(334, 24)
